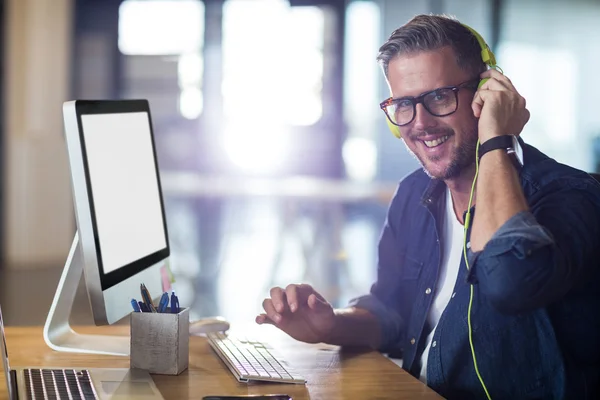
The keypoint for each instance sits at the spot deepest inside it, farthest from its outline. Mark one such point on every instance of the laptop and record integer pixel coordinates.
(67, 383)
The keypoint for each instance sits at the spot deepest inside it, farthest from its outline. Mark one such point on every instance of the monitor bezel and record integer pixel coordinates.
(94, 107)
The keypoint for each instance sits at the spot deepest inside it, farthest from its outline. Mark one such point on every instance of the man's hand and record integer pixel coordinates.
(499, 107)
(300, 312)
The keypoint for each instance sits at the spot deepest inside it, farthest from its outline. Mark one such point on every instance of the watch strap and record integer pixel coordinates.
(498, 142)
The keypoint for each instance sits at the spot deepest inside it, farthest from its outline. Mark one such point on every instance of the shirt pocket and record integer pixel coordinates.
(407, 283)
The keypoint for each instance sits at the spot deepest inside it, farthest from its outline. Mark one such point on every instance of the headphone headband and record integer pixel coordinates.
(486, 54)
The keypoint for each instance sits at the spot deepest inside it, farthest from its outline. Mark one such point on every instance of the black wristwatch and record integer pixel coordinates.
(508, 143)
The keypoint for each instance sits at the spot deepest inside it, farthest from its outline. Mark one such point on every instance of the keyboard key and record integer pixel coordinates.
(72, 384)
(61, 384)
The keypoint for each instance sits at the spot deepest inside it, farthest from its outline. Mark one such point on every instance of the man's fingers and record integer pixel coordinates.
(495, 84)
(264, 319)
(310, 290)
(291, 293)
(511, 99)
(477, 104)
(297, 295)
(506, 108)
(279, 299)
(498, 82)
(270, 311)
(498, 76)
(483, 96)
(293, 298)
(317, 304)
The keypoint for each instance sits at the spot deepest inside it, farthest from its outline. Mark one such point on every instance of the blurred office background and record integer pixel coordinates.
(277, 166)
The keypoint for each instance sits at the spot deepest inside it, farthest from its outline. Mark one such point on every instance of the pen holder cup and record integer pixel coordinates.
(160, 342)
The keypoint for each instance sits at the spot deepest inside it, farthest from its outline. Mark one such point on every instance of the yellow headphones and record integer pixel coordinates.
(486, 55)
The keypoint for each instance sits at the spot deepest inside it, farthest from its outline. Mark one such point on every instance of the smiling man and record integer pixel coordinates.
(485, 293)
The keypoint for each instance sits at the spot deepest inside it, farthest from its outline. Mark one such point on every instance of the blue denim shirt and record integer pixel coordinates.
(536, 304)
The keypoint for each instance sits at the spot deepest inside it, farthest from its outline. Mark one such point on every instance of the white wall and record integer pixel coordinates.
(39, 222)
(562, 36)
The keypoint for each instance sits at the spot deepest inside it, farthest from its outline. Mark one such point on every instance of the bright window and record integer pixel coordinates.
(272, 61)
(361, 89)
(272, 79)
(161, 27)
(168, 28)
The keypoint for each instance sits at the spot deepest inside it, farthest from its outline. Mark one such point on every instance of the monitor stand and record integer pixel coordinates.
(58, 333)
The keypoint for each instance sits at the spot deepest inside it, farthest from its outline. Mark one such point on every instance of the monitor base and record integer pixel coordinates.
(58, 333)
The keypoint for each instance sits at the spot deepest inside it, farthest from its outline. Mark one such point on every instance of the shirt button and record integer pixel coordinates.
(412, 341)
(434, 344)
(428, 290)
(453, 294)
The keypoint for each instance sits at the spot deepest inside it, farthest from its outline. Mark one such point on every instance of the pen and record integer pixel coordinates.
(174, 303)
(147, 298)
(134, 304)
(143, 307)
(164, 301)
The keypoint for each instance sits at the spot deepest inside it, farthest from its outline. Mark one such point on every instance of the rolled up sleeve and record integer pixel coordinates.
(538, 256)
(390, 322)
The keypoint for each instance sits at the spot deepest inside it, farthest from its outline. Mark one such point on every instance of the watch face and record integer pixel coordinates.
(518, 151)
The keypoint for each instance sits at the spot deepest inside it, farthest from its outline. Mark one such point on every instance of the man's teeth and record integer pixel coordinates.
(436, 142)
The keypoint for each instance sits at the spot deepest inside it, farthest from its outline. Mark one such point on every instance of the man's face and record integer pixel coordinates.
(445, 146)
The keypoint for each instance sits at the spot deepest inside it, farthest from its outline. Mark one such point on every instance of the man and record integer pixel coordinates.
(529, 289)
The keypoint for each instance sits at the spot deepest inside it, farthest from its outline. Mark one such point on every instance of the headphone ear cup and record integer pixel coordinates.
(394, 128)
(481, 82)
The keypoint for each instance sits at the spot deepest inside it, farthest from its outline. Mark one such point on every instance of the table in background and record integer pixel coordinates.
(331, 373)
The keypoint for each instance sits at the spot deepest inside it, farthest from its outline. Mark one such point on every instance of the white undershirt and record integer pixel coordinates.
(452, 240)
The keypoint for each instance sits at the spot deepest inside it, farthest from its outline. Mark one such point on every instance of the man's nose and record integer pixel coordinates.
(423, 119)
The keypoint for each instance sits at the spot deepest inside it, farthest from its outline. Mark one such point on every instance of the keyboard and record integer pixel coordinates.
(58, 384)
(251, 360)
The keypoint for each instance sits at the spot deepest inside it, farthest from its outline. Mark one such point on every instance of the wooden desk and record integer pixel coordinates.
(331, 373)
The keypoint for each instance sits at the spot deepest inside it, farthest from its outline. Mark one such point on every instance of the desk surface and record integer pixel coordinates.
(331, 373)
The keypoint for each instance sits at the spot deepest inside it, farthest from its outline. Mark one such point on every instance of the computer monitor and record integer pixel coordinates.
(122, 238)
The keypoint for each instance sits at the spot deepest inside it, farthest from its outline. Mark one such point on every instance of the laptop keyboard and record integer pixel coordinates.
(58, 384)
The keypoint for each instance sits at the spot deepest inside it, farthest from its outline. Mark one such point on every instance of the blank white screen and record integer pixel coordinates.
(124, 187)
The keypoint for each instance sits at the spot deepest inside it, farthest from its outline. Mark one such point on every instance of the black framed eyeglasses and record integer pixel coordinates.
(439, 102)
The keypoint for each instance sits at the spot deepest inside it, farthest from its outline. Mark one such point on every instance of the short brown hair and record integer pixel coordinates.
(432, 32)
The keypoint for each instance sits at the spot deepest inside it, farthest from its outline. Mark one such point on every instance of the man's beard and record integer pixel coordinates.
(462, 158)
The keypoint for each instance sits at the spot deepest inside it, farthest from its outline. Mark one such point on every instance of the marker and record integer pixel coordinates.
(143, 307)
(134, 304)
(163, 303)
(174, 304)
